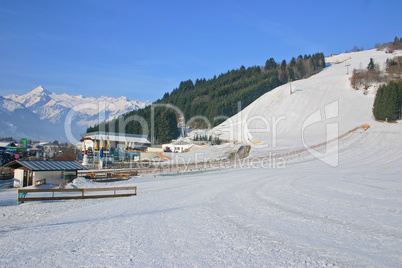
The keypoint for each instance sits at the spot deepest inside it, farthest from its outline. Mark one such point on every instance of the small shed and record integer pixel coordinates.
(27, 173)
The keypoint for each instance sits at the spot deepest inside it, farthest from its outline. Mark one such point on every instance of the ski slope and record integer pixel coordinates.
(307, 213)
(279, 120)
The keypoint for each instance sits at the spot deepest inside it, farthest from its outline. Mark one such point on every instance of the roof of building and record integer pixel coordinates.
(46, 165)
(119, 137)
(7, 144)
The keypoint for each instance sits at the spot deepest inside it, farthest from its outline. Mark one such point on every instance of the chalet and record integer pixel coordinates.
(27, 173)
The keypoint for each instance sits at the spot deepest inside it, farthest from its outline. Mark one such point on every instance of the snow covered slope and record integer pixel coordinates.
(53, 108)
(281, 121)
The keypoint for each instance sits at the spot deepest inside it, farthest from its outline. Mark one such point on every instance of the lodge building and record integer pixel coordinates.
(114, 141)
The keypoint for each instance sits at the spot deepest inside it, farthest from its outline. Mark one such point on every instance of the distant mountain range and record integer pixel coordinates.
(40, 114)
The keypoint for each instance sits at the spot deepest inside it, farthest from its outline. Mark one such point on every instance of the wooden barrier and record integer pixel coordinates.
(64, 183)
(40, 182)
(73, 193)
(111, 179)
(6, 176)
(125, 174)
(164, 157)
(92, 175)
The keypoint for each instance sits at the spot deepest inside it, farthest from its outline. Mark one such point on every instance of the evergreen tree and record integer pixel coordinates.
(300, 67)
(291, 74)
(270, 64)
(396, 41)
(388, 102)
(292, 62)
(371, 66)
(283, 65)
(167, 127)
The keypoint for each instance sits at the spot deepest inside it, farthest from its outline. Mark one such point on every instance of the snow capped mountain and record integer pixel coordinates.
(19, 121)
(51, 109)
(8, 106)
(36, 98)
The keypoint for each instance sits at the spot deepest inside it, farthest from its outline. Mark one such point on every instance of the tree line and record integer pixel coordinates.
(215, 99)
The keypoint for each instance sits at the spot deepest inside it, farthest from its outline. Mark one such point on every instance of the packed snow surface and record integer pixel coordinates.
(304, 213)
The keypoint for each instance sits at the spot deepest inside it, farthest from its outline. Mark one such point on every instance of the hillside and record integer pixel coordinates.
(278, 120)
(320, 109)
(202, 102)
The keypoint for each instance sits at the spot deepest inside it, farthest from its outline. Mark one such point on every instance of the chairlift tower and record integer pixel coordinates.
(182, 125)
(290, 84)
(347, 68)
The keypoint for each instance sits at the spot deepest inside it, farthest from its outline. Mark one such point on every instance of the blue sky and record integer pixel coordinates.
(142, 49)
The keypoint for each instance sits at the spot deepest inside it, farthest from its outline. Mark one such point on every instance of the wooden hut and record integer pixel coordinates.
(27, 173)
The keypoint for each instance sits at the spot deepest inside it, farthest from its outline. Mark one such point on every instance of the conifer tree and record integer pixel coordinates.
(371, 66)
(270, 64)
(283, 65)
(292, 62)
(291, 74)
(167, 127)
(388, 102)
(396, 41)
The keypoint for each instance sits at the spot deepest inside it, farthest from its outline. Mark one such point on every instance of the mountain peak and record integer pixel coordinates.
(40, 89)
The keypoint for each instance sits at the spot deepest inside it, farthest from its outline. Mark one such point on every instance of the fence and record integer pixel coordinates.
(66, 194)
(108, 175)
(6, 176)
(40, 182)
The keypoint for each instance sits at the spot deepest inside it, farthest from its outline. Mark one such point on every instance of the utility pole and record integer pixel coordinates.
(347, 68)
(182, 125)
(290, 83)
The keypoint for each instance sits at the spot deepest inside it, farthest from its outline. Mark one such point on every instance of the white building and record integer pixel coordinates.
(106, 140)
(177, 146)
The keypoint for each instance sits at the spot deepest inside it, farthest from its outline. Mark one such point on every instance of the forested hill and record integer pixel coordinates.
(218, 96)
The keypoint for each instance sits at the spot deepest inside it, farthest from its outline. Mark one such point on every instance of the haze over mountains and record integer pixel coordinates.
(40, 114)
